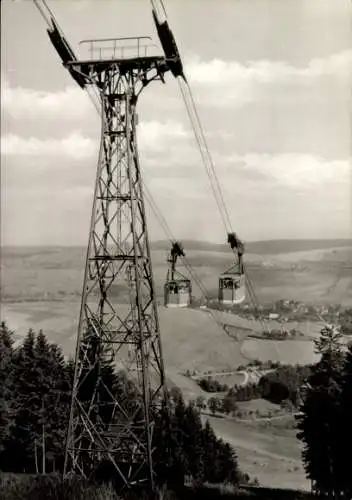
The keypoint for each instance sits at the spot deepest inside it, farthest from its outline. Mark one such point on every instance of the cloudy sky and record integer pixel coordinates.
(272, 81)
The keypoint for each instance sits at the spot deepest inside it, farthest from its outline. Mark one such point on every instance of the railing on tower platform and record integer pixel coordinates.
(119, 48)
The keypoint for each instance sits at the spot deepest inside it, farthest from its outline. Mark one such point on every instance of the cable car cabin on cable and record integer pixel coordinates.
(177, 288)
(232, 288)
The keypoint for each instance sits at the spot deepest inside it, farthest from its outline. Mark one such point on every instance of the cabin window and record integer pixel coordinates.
(172, 288)
(226, 283)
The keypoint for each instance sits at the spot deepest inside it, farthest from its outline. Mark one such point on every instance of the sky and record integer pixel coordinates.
(272, 82)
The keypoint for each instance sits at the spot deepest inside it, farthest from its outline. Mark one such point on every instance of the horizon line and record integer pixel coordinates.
(80, 245)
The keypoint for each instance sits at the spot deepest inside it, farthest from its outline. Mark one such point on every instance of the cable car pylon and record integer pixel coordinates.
(103, 427)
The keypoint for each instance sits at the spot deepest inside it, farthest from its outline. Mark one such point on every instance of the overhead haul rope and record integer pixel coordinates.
(214, 181)
(161, 219)
(204, 151)
(192, 112)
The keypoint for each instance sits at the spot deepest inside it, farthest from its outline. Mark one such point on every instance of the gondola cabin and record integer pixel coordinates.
(232, 284)
(178, 292)
(177, 288)
(232, 287)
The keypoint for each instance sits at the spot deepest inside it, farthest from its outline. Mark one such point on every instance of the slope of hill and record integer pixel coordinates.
(41, 288)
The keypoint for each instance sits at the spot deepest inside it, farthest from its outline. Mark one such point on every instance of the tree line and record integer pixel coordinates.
(35, 396)
(281, 384)
(35, 386)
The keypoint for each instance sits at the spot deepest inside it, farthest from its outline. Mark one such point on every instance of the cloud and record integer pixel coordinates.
(294, 171)
(268, 72)
(72, 103)
(169, 153)
(217, 81)
(153, 138)
(74, 146)
(229, 83)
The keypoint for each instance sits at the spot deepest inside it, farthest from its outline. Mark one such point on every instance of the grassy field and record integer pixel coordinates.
(271, 453)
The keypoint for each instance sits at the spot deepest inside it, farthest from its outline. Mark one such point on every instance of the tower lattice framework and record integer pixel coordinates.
(106, 425)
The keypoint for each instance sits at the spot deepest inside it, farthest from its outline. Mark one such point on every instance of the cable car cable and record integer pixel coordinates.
(216, 188)
(200, 140)
(206, 156)
(209, 166)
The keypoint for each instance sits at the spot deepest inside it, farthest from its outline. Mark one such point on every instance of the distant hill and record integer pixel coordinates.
(270, 247)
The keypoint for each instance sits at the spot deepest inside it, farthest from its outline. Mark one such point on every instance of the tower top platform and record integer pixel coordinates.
(118, 49)
(122, 55)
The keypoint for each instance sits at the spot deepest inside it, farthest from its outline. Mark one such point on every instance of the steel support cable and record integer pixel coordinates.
(158, 214)
(221, 202)
(42, 12)
(207, 161)
(216, 188)
(47, 16)
(202, 144)
(200, 138)
(162, 221)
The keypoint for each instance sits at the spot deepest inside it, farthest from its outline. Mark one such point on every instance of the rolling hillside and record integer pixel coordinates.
(320, 274)
(270, 247)
(41, 288)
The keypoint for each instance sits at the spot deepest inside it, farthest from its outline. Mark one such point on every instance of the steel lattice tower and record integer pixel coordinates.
(104, 426)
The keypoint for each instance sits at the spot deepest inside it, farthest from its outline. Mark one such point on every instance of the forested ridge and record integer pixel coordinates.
(35, 394)
(35, 386)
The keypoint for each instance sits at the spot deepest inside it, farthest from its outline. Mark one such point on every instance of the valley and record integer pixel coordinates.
(41, 287)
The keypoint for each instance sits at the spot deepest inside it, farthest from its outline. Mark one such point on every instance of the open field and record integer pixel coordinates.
(272, 455)
(286, 352)
(191, 338)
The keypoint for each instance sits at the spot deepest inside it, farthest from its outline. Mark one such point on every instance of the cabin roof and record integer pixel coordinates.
(178, 280)
(230, 274)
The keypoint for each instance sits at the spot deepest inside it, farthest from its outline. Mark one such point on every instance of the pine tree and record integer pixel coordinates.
(54, 391)
(319, 420)
(41, 405)
(329, 343)
(345, 428)
(228, 469)
(168, 457)
(192, 428)
(20, 451)
(210, 463)
(6, 384)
